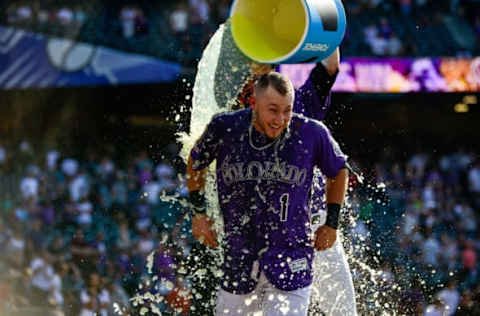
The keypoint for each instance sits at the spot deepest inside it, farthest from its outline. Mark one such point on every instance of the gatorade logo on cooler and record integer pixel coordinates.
(316, 47)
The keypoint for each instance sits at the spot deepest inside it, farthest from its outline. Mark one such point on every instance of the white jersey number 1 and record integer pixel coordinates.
(284, 207)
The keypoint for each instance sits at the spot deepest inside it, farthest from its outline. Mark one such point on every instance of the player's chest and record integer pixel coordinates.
(289, 162)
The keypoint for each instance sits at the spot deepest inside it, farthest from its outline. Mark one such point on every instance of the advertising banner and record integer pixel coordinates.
(29, 60)
(398, 75)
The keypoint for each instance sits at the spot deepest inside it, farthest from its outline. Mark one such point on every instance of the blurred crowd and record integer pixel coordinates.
(84, 236)
(61, 20)
(179, 30)
(409, 27)
(93, 234)
(422, 216)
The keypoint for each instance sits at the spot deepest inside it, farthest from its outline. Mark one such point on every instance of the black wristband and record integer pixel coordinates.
(333, 214)
(197, 200)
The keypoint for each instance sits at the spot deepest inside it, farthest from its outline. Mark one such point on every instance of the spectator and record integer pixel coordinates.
(431, 249)
(124, 241)
(51, 160)
(200, 11)
(450, 297)
(468, 305)
(474, 183)
(43, 277)
(69, 167)
(141, 23)
(3, 155)
(79, 16)
(385, 29)
(79, 186)
(24, 14)
(58, 247)
(83, 253)
(107, 168)
(42, 16)
(55, 296)
(15, 247)
(179, 20)
(405, 6)
(145, 243)
(469, 260)
(467, 222)
(413, 299)
(84, 212)
(118, 295)
(370, 32)
(450, 252)
(152, 191)
(395, 46)
(127, 18)
(437, 308)
(29, 187)
(65, 16)
(90, 301)
(119, 190)
(378, 46)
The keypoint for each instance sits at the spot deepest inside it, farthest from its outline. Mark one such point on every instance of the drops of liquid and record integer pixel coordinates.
(374, 293)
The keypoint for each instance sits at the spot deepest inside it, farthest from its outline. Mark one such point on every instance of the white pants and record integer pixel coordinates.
(265, 300)
(332, 289)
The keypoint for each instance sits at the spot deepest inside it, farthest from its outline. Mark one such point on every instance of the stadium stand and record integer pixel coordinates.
(423, 28)
(77, 228)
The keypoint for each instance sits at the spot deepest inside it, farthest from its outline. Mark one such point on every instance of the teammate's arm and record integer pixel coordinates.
(332, 62)
(336, 189)
(312, 99)
(201, 226)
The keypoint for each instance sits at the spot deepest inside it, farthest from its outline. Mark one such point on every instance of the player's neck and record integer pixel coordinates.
(259, 135)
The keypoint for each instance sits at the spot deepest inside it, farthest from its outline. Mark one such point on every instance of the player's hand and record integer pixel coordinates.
(202, 230)
(325, 237)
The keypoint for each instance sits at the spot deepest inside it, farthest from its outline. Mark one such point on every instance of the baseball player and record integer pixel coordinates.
(265, 159)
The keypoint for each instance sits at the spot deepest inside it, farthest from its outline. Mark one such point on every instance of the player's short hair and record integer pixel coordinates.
(276, 80)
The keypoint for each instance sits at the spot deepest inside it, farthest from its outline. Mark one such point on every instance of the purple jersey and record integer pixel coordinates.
(312, 99)
(264, 193)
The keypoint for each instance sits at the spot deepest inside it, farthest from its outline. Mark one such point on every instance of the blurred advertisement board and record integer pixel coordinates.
(29, 60)
(398, 75)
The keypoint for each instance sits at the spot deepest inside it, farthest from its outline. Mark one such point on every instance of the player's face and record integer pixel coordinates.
(273, 112)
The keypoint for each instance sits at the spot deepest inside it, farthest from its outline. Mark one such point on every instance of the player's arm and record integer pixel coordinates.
(202, 229)
(333, 164)
(336, 189)
(332, 62)
(313, 98)
(202, 154)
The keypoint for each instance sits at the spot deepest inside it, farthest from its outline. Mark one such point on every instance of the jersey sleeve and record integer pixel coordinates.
(329, 157)
(206, 147)
(313, 98)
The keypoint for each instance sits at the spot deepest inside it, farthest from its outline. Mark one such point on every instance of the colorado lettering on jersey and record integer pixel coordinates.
(262, 170)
